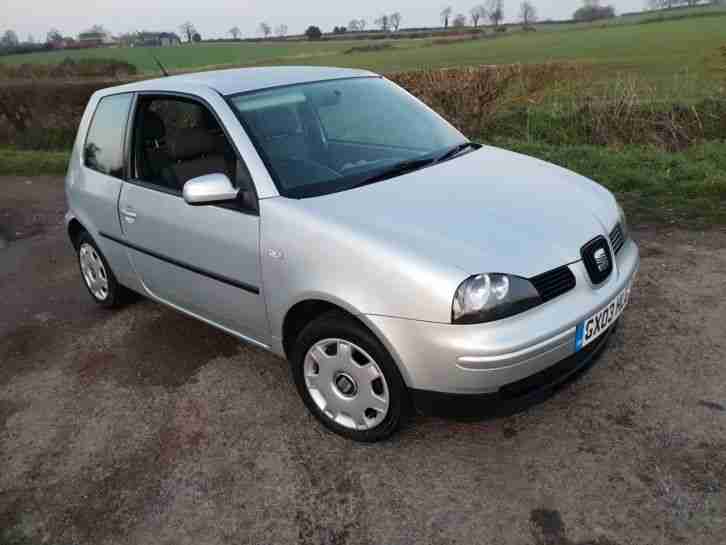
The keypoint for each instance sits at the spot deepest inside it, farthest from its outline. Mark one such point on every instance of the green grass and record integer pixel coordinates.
(687, 188)
(677, 57)
(32, 163)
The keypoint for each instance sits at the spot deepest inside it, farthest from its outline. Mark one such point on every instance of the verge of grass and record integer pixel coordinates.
(687, 187)
(32, 163)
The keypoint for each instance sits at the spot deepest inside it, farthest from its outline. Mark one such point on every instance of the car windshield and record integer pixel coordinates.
(324, 137)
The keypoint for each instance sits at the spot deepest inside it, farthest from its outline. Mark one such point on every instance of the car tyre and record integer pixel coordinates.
(348, 354)
(96, 274)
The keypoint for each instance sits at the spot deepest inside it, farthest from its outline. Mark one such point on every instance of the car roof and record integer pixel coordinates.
(242, 80)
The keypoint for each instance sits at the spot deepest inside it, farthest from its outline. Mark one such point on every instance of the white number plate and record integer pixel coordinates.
(598, 323)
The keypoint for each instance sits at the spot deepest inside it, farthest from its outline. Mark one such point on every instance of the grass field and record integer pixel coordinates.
(677, 57)
(32, 163)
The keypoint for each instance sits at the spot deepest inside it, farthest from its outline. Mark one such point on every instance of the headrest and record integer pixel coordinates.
(279, 121)
(153, 126)
(189, 143)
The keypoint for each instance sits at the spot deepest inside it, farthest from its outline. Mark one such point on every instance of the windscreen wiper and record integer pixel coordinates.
(396, 170)
(456, 150)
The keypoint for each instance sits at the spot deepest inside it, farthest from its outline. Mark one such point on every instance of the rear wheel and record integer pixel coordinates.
(97, 275)
(347, 379)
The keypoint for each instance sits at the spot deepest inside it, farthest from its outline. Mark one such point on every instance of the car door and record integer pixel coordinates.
(94, 183)
(202, 259)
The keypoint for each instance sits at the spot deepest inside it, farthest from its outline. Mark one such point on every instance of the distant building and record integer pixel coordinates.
(156, 39)
(94, 38)
(63, 43)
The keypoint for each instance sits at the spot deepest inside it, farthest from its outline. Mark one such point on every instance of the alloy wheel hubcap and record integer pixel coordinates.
(346, 384)
(94, 273)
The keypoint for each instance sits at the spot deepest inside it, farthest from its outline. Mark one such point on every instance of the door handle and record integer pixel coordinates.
(129, 214)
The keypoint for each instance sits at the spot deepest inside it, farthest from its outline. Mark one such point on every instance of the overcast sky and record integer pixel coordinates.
(213, 18)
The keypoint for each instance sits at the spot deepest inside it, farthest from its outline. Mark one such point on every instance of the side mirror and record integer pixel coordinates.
(208, 189)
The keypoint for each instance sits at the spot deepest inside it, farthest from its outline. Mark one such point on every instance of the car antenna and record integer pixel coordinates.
(158, 62)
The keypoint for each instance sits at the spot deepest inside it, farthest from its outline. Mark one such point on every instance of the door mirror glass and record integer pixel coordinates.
(210, 188)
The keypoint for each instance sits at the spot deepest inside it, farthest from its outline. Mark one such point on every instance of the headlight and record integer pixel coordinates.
(623, 222)
(489, 297)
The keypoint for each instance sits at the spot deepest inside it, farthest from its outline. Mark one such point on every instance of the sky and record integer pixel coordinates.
(213, 18)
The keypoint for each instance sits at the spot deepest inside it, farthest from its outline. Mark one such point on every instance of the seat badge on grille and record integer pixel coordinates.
(602, 260)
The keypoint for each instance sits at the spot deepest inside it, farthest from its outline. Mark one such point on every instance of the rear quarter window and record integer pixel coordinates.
(104, 147)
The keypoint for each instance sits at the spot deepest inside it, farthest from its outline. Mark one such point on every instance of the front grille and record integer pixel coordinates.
(617, 238)
(554, 283)
(597, 259)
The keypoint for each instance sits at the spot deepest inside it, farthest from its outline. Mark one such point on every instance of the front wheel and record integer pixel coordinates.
(348, 380)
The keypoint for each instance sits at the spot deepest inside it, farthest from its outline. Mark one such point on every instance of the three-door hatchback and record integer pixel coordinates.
(332, 218)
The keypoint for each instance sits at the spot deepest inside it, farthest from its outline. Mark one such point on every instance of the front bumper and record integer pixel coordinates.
(515, 396)
(485, 358)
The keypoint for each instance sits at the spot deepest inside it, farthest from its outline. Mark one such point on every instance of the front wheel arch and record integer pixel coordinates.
(306, 311)
(75, 228)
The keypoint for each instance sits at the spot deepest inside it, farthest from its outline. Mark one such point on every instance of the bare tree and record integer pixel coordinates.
(495, 11)
(53, 36)
(395, 20)
(459, 21)
(264, 29)
(128, 38)
(384, 22)
(281, 30)
(362, 23)
(235, 32)
(445, 14)
(187, 29)
(9, 39)
(477, 13)
(670, 4)
(527, 13)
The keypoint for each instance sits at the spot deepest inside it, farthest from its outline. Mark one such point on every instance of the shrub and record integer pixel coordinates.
(551, 103)
(471, 97)
(70, 69)
(43, 115)
(593, 13)
(313, 33)
(370, 48)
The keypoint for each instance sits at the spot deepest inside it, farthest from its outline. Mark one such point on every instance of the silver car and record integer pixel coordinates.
(332, 218)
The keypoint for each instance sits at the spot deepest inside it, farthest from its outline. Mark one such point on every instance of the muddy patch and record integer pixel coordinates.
(332, 508)
(7, 409)
(548, 529)
(188, 430)
(94, 365)
(169, 349)
(26, 348)
(110, 506)
(686, 481)
(17, 224)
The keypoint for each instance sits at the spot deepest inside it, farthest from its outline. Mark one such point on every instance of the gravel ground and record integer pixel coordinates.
(144, 426)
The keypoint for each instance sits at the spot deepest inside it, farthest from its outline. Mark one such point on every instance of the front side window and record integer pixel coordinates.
(177, 139)
(104, 147)
(323, 137)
